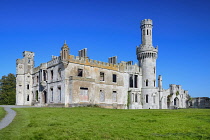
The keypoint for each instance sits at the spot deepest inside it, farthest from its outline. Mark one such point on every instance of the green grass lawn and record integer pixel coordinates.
(2, 113)
(97, 123)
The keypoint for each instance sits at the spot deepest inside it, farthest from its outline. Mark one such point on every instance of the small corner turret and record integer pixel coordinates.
(64, 51)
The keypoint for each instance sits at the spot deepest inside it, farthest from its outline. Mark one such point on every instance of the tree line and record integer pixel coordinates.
(8, 89)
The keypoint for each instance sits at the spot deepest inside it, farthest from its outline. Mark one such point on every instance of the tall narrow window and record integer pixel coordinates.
(131, 80)
(147, 98)
(59, 92)
(136, 98)
(147, 32)
(51, 94)
(37, 79)
(101, 76)
(51, 74)
(37, 95)
(27, 97)
(114, 78)
(154, 83)
(154, 70)
(27, 86)
(136, 81)
(147, 83)
(80, 72)
(84, 94)
(45, 75)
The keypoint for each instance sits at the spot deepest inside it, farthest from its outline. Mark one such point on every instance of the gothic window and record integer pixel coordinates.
(102, 96)
(114, 78)
(136, 81)
(131, 80)
(101, 76)
(114, 96)
(80, 72)
(147, 98)
(147, 83)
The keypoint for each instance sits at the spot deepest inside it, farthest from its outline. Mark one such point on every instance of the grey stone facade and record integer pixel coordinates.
(70, 81)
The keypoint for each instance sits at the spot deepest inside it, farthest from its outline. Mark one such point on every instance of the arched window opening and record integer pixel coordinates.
(147, 98)
(147, 82)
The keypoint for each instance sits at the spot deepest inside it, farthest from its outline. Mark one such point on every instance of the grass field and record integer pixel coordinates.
(2, 113)
(97, 123)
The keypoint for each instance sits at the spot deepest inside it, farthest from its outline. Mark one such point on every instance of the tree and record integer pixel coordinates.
(8, 89)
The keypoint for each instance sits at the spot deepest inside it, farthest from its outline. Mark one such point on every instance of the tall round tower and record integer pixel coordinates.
(147, 55)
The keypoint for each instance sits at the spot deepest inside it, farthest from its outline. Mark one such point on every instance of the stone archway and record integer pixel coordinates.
(176, 102)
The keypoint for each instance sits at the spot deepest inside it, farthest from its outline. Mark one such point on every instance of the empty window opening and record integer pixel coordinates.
(154, 83)
(37, 95)
(136, 98)
(83, 94)
(37, 79)
(27, 86)
(147, 83)
(59, 92)
(27, 97)
(51, 94)
(131, 80)
(51, 74)
(154, 70)
(147, 98)
(136, 81)
(101, 76)
(45, 75)
(102, 96)
(114, 78)
(147, 32)
(80, 72)
(114, 96)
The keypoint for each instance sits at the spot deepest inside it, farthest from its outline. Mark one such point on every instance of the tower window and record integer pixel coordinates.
(147, 32)
(114, 78)
(80, 72)
(154, 83)
(27, 86)
(147, 83)
(101, 76)
(147, 96)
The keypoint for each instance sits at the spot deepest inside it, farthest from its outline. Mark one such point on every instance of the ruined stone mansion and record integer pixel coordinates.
(72, 81)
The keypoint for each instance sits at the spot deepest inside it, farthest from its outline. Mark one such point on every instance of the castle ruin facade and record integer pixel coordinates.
(71, 81)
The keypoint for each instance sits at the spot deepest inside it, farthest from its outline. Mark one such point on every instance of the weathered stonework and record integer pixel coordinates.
(72, 81)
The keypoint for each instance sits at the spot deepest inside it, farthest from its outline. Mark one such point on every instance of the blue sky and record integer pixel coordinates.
(111, 28)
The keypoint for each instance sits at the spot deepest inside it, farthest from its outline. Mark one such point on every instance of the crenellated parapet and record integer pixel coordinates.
(55, 60)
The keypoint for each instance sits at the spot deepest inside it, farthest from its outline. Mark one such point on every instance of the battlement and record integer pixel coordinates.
(146, 21)
(55, 60)
(28, 54)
